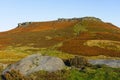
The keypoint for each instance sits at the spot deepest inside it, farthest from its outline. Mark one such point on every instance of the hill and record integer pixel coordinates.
(88, 36)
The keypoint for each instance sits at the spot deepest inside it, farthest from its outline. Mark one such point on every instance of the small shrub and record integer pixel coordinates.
(14, 75)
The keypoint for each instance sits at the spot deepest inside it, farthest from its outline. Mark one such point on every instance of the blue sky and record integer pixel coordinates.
(13, 12)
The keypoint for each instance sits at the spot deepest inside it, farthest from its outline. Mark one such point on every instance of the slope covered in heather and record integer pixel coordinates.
(74, 35)
(90, 37)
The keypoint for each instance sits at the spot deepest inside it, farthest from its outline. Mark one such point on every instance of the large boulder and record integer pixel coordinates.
(34, 63)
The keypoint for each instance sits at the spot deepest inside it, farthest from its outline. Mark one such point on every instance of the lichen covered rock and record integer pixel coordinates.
(36, 63)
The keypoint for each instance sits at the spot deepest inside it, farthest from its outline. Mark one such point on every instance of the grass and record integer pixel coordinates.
(89, 73)
(106, 44)
(8, 57)
(103, 73)
(43, 75)
(78, 28)
(56, 53)
(11, 54)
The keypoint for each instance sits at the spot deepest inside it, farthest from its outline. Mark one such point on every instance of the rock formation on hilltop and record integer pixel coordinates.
(24, 24)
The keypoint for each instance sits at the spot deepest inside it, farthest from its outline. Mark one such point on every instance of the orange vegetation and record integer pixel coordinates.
(36, 33)
(76, 45)
(42, 26)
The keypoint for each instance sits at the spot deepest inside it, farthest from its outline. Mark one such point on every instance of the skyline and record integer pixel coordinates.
(18, 11)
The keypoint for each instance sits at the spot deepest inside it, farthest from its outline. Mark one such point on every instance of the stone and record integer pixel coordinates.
(109, 62)
(36, 62)
(25, 24)
(77, 61)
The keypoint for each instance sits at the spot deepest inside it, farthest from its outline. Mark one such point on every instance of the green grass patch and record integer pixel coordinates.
(13, 54)
(89, 73)
(104, 73)
(78, 28)
(56, 53)
(106, 44)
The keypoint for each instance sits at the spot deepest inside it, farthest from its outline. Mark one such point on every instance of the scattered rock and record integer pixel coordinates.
(108, 62)
(36, 62)
(77, 61)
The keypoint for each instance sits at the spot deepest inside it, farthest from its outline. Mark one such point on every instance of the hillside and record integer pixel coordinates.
(42, 26)
(85, 43)
(88, 36)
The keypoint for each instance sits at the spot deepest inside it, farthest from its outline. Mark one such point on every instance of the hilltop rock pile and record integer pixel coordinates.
(91, 19)
(24, 24)
(80, 19)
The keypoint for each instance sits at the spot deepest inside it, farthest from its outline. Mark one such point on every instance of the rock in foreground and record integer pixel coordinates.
(110, 63)
(36, 63)
(78, 62)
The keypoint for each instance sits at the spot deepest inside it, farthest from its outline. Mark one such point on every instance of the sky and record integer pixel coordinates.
(13, 12)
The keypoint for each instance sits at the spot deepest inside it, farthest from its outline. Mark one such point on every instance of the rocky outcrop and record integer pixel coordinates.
(108, 62)
(24, 24)
(80, 19)
(69, 19)
(91, 19)
(36, 63)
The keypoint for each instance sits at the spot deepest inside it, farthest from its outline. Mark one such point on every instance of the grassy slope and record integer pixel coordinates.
(48, 34)
(95, 31)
